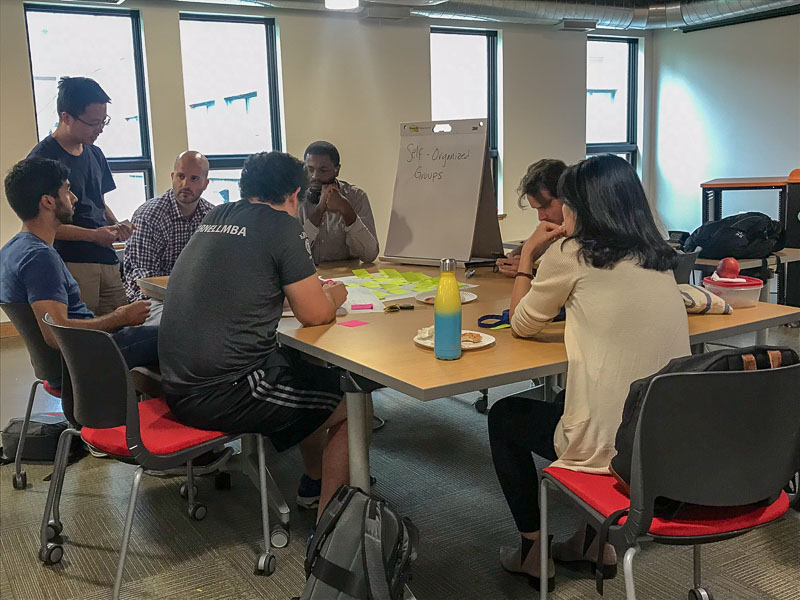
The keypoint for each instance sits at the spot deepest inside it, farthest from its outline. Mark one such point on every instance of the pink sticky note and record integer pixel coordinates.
(360, 306)
(353, 323)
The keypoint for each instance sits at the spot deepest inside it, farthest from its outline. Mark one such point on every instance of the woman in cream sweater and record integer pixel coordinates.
(625, 320)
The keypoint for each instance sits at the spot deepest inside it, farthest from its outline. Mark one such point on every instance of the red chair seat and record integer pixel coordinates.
(53, 391)
(161, 433)
(606, 495)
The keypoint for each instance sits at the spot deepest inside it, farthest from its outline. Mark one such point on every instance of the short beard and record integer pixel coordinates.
(64, 217)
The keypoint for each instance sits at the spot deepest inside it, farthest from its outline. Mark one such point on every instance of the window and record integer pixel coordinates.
(611, 91)
(106, 46)
(223, 186)
(231, 89)
(464, 81)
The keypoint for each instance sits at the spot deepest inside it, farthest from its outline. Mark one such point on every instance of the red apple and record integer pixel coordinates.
(728, 268)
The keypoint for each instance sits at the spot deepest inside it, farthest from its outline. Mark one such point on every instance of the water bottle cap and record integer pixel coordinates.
(448, 264)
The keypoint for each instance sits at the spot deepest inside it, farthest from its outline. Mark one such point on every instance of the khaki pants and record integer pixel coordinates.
(101, 286)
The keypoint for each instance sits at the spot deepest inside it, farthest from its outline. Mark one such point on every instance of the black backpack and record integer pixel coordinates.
(361, 549)
(41, 439)
(746, 235)
(735, 359)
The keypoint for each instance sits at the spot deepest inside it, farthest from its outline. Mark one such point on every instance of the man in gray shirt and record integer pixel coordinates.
(221, 366)
(335, 215)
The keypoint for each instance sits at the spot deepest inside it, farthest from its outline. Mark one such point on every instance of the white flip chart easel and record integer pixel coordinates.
(443, 204)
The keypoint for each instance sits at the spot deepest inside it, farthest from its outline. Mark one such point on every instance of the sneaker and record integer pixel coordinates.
(308, 492)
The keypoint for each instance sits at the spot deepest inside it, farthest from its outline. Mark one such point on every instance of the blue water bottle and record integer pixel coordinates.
(447, 314)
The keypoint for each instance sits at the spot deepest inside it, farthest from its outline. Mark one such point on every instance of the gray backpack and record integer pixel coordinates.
(362, 549)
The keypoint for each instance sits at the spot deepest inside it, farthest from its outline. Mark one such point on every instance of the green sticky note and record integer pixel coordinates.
(370, 284)
(361, 273)
(393, 273)
(503, 326)
(394, 289)
(425, 286)
(380, 295)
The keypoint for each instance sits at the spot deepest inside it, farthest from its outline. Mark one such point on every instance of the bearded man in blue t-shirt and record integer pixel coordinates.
(32, 272)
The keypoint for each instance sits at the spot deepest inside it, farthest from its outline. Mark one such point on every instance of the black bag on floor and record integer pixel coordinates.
(41, 439)
(362, 549)
(746, 235)
(734, 359)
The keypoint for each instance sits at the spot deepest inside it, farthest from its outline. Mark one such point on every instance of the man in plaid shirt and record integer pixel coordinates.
(163, 226)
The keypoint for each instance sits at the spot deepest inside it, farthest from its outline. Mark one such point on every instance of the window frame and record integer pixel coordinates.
(492, 102)
(236, 161)
(125, 164)
(630, 146)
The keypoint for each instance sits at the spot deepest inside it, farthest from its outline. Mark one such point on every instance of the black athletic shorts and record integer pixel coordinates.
(286, 403)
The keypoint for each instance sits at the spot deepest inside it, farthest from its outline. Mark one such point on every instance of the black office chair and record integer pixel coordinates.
(683, 270)
(46, 362)
(99, 396)
(725, 443)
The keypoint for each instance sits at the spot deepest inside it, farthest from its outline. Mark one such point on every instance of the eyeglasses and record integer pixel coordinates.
(103, 123)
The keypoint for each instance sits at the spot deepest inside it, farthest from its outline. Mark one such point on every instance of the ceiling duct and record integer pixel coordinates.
(630, 14)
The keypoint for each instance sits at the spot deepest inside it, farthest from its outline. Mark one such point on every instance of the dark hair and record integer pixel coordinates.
(613, 219)
(543, 174)
(324, 148)
(29, 180)
(76, 93)
(271, 176)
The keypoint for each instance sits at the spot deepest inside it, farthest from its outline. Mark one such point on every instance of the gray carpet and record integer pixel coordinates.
(431, 460)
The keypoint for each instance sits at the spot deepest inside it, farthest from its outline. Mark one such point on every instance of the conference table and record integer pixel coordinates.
(383, 350)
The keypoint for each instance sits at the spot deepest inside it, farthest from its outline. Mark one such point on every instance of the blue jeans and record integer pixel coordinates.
(139, 345)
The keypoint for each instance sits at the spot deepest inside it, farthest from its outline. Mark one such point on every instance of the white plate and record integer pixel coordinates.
(429, 297)
(486, 340)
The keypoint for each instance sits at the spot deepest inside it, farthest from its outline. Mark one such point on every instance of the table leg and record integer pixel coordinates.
(358, 448)
(762, 337)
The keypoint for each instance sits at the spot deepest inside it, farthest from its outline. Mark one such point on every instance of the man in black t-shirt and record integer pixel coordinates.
(220, 362)
(86, 245)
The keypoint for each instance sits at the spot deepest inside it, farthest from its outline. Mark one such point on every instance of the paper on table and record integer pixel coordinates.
(361, 295)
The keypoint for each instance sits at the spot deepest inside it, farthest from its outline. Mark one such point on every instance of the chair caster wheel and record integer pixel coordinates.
(198, 511)
(700, 594)
(20, 480)
(51, 554)
(184, 491)
(265, 565)
(222, 481)
(279, 538)
(54, 529)
(482, 405)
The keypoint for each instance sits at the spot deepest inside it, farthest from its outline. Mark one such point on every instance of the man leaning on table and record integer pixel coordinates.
(163, 226)
(537, 189)
(335, 215)
(221, 365)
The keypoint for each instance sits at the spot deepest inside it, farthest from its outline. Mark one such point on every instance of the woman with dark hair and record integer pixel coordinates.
(610, 268)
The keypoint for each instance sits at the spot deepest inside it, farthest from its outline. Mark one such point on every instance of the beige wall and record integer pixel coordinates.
(727, 104)
(17, 118)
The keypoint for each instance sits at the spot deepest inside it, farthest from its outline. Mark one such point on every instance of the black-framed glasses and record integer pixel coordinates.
(104, 123)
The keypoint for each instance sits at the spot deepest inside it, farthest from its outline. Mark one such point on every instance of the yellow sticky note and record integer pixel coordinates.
(412, 277)
(379, 294)
(361, 273)
(370, 284)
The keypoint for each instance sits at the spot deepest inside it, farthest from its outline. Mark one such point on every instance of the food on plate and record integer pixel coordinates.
(728, 268)
(469, 336)
(426, 333)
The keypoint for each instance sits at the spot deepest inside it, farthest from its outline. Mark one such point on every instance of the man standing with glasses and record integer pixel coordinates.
(86, 246)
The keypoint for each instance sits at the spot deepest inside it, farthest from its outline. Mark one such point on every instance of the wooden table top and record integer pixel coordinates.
(383, 350)
(746, 182)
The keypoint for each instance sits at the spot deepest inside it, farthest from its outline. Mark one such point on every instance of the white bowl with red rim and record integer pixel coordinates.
(742, 294)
